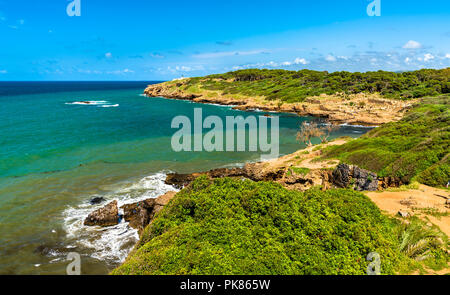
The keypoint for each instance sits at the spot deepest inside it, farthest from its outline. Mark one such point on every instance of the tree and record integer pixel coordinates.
(308, 131)
(327, 129)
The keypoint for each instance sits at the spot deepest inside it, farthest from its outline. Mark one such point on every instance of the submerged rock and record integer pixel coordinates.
(106, 216)
(96, 200)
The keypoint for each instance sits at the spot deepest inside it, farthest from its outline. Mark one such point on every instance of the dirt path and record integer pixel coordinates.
(425, 202)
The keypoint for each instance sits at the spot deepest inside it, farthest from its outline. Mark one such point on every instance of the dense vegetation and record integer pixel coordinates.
(295, 86)
(230, 226)
(415, 148)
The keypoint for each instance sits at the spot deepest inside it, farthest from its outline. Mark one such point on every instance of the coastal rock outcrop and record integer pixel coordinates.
(360, 179)
(140, 214)
(106, 216)
(361, 108)
(252, 171)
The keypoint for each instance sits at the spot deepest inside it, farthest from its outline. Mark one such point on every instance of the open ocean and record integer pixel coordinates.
(57, 154)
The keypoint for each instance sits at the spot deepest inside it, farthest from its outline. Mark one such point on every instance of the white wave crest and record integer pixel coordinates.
(115, 242)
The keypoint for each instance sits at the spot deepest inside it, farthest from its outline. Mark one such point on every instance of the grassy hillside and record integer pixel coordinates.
(415, 148)
(295, 86)
(231, 226)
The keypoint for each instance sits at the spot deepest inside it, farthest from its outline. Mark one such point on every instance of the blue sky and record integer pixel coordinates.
(161, 40)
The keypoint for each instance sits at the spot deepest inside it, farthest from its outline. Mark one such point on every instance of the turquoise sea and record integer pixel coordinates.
(56, 154)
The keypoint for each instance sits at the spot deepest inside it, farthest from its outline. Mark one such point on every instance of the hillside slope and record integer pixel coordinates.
(415, 148)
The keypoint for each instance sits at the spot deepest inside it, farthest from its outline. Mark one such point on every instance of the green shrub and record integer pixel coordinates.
(229, 226)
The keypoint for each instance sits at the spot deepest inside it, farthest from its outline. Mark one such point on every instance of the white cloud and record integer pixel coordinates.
(156, 55)
(272, 64)
(447, 55)
(300, 61)
(411, 44)
(330, 58)
(120, 72)
(185, 68)
(428, 56)
(108, 55)
(407, 60)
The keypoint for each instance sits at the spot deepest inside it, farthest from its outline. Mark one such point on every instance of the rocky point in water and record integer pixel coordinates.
(106, 216)
(138, 214)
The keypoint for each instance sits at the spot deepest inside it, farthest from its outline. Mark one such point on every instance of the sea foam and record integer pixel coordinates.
(112, 243)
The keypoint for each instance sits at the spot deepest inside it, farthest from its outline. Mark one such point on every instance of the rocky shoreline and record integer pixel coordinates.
(358, 109)
(285, 170)
(138, 214)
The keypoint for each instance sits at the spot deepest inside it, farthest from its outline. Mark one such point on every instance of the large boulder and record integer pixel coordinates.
(345, 176)
(364, 180)
(341, 176)
(140, 214)
(106, 216)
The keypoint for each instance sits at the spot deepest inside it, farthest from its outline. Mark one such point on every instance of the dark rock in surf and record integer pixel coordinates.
(96, 200)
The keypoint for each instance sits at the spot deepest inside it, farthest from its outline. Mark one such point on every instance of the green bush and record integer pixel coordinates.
(230, 226)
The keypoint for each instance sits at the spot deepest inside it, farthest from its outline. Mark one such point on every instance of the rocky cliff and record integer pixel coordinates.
(359, 109)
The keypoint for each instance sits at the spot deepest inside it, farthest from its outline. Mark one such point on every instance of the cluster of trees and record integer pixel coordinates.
(293, 86)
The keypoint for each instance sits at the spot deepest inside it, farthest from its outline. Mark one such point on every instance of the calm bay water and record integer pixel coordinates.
(56, 155)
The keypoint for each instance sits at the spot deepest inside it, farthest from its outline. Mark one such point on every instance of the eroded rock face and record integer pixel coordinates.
(386, 182)
(345, 176)
(341, 176)
(364, 180)
(251, 171)
(106, 216)
(140, 214)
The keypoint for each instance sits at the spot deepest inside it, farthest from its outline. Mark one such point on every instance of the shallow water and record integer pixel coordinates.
(56, 154)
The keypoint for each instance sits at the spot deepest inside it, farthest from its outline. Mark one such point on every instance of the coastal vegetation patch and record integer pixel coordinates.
(296, 86)
(416, 148)
(233, 226)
